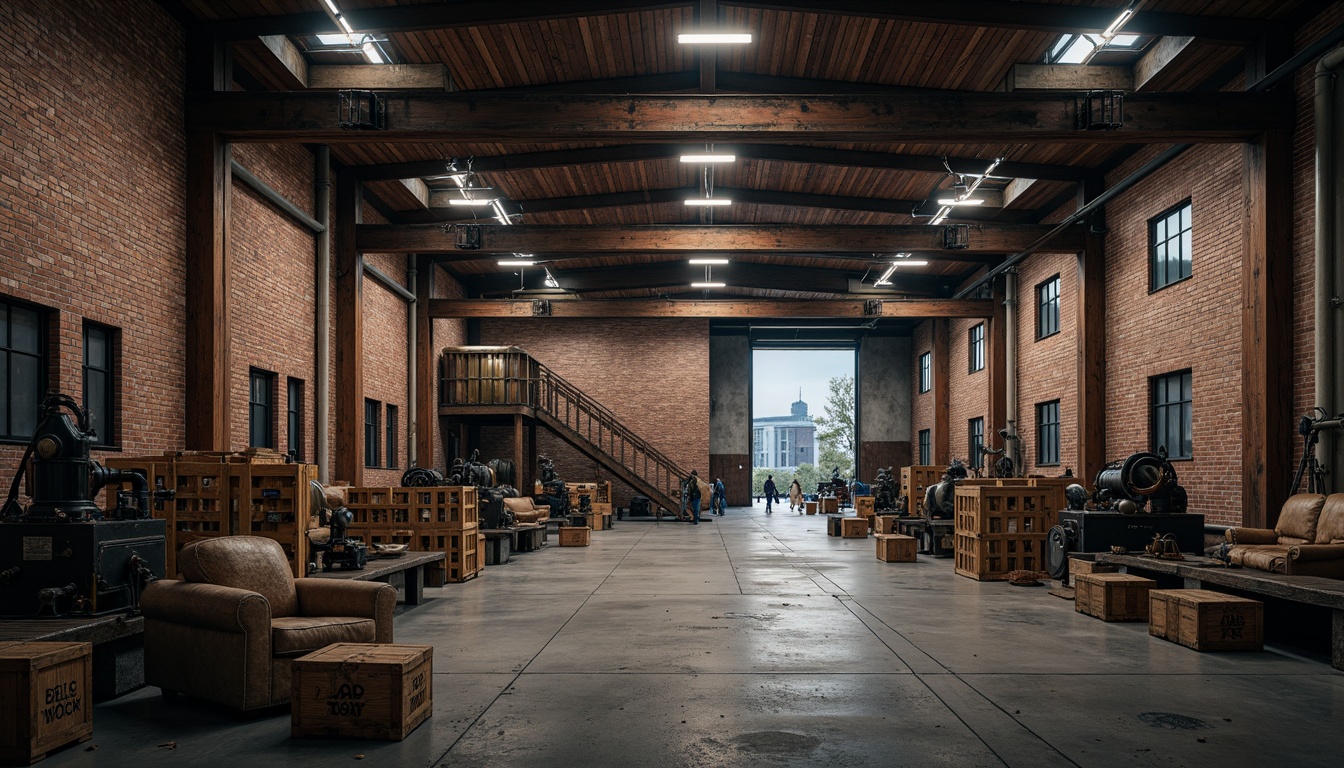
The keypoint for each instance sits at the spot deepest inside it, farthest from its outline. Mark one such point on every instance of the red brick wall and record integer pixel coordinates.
(968, 393)
(91, 178)
(921, 403)
(1048, 368)
(385, 360)
(447, 333)
(654, 374)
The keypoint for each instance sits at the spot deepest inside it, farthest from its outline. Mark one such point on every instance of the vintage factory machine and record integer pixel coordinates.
(61, 556)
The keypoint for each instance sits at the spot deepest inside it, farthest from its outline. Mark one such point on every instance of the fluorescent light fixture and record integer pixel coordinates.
(707, 261)
(345, 25)
(476, 202)
(885, 279)
(958, 201)
(713, 38)
(332, 5)
(714, 158)
(371, 51)
(709, 285)
(910, 263)
(333, 40)
(1118, 23)
(708, 201)
(516, 262)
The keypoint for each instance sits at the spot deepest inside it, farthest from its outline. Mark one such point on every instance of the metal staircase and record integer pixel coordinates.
(496, 381)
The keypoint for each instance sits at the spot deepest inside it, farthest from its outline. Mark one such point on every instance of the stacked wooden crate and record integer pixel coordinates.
(276, 502)
(1055, 485)
(1000, 529)
(599, 494)
(436, 519)
(914, 481)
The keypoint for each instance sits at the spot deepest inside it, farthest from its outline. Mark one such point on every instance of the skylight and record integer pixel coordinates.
(1076, 49)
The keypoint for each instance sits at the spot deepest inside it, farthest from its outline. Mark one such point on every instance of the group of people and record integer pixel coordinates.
(690, 497)
(772, 495)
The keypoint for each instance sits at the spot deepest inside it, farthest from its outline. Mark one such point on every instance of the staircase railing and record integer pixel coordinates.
(508, 376)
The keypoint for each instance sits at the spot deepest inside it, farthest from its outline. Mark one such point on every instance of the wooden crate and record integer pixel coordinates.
(811, 507)
(884, 523)
(1000, 529)
(372, 507)
(461, 550)
(854, 527)
(362, 691)
(1053, 485)
(915, 480)
(277, 504)
(575, 536)
(1206, 620)
(896, 548)
(480, 550)
(1112, 596)
(992, 558)
(828, 505)
(1077, 566)
(865, 506)
(444, 507)
(602, 508)
(833, 525)
(46, 698)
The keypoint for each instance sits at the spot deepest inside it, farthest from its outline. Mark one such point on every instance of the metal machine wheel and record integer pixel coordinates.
(1058, 542)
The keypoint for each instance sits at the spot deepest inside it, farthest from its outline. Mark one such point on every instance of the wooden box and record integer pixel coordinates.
(854, 527)
(1112, 596)
(865, 506)
(480, 549)
(915, 480)
(829, 505)
(362, 691)
(895, 548)
(811, 507)
(1052, 486)
(1077, 566)
(461, 553)
(884, 523)
(833, 525)
(46, 698)
(444, 507)
(1205, 620)
(574, 536)
(1000, 529)
(602, 508)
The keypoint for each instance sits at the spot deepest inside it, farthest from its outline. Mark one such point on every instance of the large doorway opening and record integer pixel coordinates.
(802, 416)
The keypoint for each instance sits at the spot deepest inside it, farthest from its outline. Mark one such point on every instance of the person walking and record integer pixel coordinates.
(719, 499)
(770, 492)
(796, 496)
(693, 496)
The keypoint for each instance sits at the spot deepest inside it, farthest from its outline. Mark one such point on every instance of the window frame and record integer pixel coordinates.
(925, 372)
(390, 430)
(267, 409)
(975, 440)
(1047, 434)
(373, 435)
(925, 446)
(1158, 412)
(975, 347)
(294, 416)
(7, 353)
(1042, 303)
(107, 433)
(1179, 238)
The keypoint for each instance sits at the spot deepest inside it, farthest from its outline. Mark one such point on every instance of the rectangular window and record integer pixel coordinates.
(926, 372)
(1169, 247)
(260, 414)
(372, 434)
(1172, 396)
(23, 368)
(391, 436)
(975, 440)
(925, 447)
(977, 347)
(1047, 308)
(100, 382)
(1047, 433)
(294, 418)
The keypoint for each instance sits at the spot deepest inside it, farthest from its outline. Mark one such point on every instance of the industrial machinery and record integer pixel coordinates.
(553, 488)
(338, 548)
(1310, 428)
(1118, 517)
(61, 555)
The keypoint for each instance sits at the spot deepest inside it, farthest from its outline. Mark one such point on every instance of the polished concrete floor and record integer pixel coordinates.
(755, 640)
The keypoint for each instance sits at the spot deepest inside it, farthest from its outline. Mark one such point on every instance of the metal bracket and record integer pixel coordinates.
(361, 111)
(541, 307)
(872, 308)
(957, 237)
(468, 236)
(1102, 111)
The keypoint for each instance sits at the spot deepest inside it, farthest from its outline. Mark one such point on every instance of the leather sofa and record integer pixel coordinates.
(1307, 541)
(228, 631)
(525, 510)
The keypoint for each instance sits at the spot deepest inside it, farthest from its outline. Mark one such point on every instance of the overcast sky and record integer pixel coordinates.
(777, 375)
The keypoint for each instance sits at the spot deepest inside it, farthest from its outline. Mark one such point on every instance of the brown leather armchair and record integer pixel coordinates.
(228, 631)
(525, 510)
(1307, 541)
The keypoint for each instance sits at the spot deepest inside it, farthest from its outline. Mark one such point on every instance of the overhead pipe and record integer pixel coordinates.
(322, 377)
(1329, 245)
(1010, 345)
(280, 201)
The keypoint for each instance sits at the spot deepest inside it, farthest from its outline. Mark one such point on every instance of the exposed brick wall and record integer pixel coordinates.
(921, 403)
(968, 393)
(447, 333)
(91, 182)
(653, 374)
(1048, 368)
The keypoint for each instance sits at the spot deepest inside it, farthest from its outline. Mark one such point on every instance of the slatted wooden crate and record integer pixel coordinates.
(1055, 486)
(914, 481)
(463, 562)
(1112, 596)
(1206, 620)
(377, 506)
(362, 691)
(277, 504)
(443, 507)
(1000, 529)
(854, 527)
(828, 505)
(480, 550)
(884, 523)
(46, 698)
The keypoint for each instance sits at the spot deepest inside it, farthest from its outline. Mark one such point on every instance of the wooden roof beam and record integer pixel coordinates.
(394, 77)
(730, 238)
(711, 308)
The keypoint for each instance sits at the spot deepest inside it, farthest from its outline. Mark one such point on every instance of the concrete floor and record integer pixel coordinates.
(755, 640)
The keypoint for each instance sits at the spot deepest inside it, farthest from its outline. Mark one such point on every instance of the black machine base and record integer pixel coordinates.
(1080, 531)
(86, 568)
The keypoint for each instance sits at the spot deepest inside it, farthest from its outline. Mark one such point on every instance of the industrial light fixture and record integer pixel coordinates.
(713, 38)
(961, 194)
(332, 5)
(902, 260)
(709, 285)
(708, 201)
(478, 202)
(371, 51)
(707, 261)
(1119, 22)
(517, 263)
(709, 158)
(345, 25)
(551, 282)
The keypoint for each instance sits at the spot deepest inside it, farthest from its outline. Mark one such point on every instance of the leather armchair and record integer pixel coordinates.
(525, 510)
(228, 632)
(1307, 541)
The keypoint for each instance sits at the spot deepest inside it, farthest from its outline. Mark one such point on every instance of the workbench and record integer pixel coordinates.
(405, 572)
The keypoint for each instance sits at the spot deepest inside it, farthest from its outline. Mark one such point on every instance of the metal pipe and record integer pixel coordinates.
(322, 378)
(246, 176)
(412, 369)
(1010, 345)
(1329, 321)
(389, 283)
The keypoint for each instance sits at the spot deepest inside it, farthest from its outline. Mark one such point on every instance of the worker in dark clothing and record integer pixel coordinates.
(693, 496)
(718, 501)
(770, 492)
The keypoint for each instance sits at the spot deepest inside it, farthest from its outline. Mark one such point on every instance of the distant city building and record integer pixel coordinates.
(784, 442)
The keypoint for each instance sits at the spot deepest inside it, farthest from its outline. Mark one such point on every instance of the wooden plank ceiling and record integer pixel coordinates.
(599, 46)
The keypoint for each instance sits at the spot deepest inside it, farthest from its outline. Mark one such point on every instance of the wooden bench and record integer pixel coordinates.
(1207, 573)
(408, 569)
(118, 646)
(523, 537)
